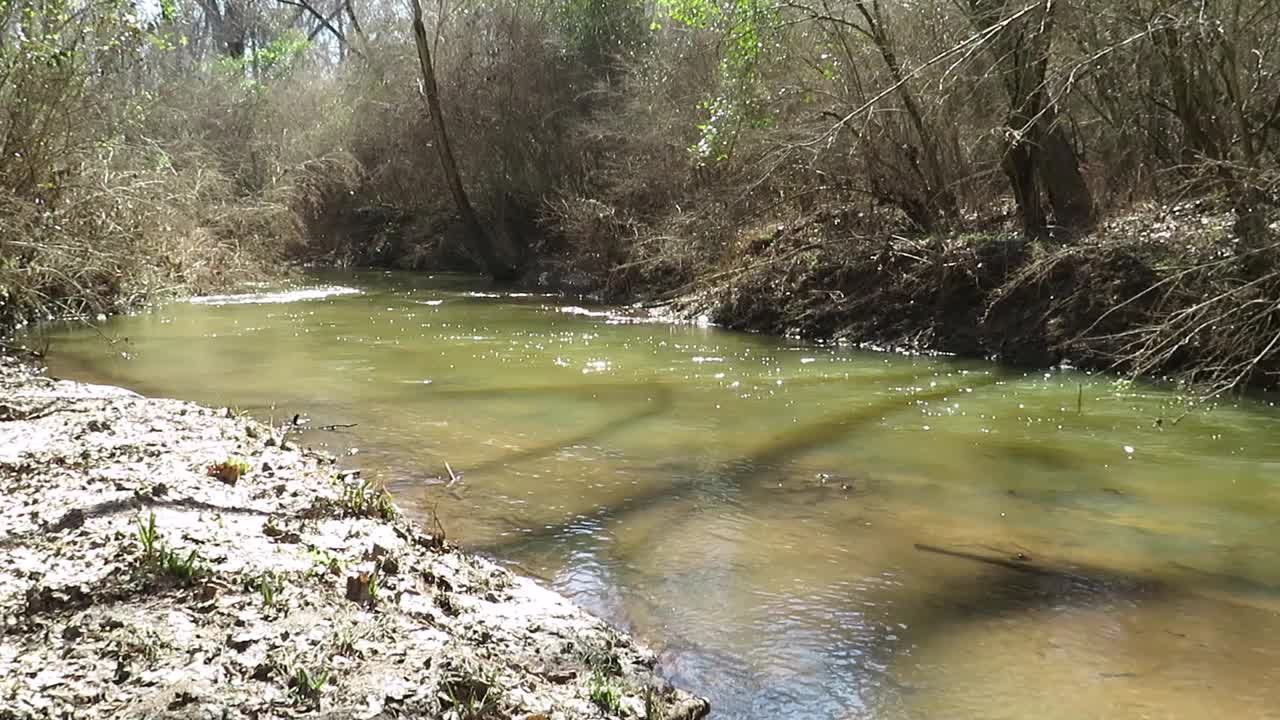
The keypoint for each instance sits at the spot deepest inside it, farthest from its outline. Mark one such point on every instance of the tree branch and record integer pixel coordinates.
(323, 21)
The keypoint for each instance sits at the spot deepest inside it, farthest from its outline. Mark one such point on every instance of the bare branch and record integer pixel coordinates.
(326, 22)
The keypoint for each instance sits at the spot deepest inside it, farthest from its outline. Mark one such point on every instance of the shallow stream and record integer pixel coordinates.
(802, 532)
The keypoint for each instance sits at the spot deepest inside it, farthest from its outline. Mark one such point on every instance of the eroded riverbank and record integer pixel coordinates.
(135, 583)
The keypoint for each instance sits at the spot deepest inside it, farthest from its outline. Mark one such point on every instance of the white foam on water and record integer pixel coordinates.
(575, 310)
(274, 298)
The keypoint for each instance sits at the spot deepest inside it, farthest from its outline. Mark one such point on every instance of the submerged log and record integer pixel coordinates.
(1020, 562)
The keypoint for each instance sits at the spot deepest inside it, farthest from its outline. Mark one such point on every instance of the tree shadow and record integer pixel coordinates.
(658, 398)
(75, 517)
(734, 476)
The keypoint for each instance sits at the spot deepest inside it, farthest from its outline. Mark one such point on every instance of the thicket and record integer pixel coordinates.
(1037, 179)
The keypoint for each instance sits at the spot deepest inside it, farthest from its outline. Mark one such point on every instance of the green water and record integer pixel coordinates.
(752, 507)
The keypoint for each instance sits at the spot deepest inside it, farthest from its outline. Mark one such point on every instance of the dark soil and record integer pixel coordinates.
(1121, 299)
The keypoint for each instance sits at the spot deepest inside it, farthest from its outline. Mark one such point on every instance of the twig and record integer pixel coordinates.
(18, 350)
(1018, 565)
(437, 527)
(10, 413)
(336, 426)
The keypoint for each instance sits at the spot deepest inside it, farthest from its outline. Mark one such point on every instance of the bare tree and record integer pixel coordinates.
(934, 202)
(228, 25)
(498, 260)
(1039, 155)
(326, 22)
(941, 199)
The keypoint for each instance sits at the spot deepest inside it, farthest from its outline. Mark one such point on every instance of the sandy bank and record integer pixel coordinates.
(290, 590)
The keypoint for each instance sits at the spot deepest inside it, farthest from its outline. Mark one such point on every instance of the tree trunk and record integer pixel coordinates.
(1020, 163)
(499, 265)
(355, 25)
(1039, 152)
(227, 27)
(1060, 173)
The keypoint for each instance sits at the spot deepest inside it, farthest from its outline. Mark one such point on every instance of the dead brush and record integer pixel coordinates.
(131, 226)
(1209, 325)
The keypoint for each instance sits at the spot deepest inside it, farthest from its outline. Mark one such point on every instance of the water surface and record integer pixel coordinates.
(762, 511)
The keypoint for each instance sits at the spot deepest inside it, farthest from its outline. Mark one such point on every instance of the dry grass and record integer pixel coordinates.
(122, 231)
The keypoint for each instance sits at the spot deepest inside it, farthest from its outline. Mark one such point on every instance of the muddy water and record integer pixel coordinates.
(803, 532)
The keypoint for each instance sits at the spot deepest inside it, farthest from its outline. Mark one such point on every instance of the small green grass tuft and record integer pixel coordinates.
(138, 644)
(652, 706)
(344, 642)
(364, 500)
(307, 686)
(148, 536)
(164, 560)
(375, 585)
(182, 568)
(604, 694)
(471, 700)
(325, 563)
(269, 586)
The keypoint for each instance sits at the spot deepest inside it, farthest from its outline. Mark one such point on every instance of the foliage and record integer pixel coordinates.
(748, 29)
(308, 685)
(604, 694)
(364, 500)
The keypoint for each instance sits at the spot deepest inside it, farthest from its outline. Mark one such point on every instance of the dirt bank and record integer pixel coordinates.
(1165, 293)
(162, 559)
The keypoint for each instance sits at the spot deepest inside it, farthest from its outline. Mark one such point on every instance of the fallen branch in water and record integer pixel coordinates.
(339, 426)
(1019, 564)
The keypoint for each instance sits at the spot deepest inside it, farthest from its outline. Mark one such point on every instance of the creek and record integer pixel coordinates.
(800, 531)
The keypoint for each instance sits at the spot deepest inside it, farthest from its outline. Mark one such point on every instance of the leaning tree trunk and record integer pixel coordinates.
(499, 265)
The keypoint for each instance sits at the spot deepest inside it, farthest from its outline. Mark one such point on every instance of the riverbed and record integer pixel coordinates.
(802, 531)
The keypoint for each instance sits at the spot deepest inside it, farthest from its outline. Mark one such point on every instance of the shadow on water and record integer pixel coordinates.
(658, 400)
(976, 587)
(733, 477)
(878, 626)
